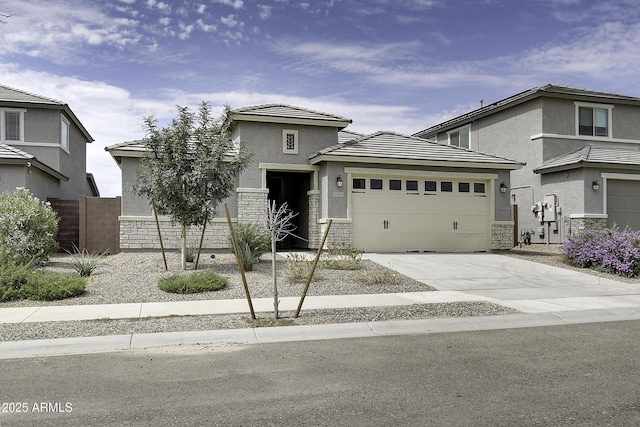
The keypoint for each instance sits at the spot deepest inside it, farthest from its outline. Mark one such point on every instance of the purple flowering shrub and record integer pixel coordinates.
(610, 250)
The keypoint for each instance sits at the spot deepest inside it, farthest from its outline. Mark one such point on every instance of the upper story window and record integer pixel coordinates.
(460, 137)
(290, 141)
(594, 120)
(64, 134)
(11, 125)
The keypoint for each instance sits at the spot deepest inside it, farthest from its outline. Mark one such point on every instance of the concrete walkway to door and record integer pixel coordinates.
(527, 286)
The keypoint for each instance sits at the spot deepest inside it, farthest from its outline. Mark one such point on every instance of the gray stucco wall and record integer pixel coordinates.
(264, 140)
(42, 126)
(11, 177)
(134, 205)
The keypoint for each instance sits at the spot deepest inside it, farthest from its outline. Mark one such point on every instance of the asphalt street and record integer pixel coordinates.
(558, 375)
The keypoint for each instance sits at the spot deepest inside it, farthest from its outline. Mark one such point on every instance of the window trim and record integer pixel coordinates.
(3, 125)
(286, 150)
(457, 130)
(592, 105)
(66, 147)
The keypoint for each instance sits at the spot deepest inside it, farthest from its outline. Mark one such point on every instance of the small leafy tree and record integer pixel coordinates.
(28, 229)
(280, 226)
(190, 167)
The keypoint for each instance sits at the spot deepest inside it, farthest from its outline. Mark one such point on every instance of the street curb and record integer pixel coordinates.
(120, 343)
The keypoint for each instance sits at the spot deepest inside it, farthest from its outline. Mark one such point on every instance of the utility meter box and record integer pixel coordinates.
(550, 203)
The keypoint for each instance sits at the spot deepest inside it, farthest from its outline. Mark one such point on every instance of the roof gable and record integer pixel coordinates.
(282, 113)
(393, 148)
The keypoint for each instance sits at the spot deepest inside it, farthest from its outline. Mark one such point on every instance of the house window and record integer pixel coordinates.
(594, 120)
(290, 141)
(460, 138)
(375, 184)
(64, 134)
(11, 126)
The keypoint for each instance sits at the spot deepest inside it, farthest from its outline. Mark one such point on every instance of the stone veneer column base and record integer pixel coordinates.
(340, 232)
(252, 205)
(502, 235)
(578, 223)
(140, 232)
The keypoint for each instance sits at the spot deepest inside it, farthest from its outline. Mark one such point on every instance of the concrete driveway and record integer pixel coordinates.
(524, 285)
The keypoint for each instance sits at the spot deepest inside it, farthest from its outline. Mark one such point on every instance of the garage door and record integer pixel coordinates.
(407, 214)
(623, 203)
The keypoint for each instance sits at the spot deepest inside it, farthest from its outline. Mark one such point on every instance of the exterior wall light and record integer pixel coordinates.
(595, 186)
(339, 181)
(503, 187)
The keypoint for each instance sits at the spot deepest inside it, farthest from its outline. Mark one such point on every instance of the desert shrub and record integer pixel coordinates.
(342, 257)
(12, 277)
(379, 276)
(297, 269)
(28, 229)
(192, 283)
(610, 250)
(191, 253)
(253, 242)
(42, 286)
(21, 281)
(85, 263)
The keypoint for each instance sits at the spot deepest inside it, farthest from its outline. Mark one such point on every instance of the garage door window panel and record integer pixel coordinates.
(375, 184)
(446, 186)
(395, 184)
(430, 186)
(359, 183)
(464, 187)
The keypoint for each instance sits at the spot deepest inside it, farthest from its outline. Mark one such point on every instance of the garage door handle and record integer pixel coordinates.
(385, 224)
(455, 225)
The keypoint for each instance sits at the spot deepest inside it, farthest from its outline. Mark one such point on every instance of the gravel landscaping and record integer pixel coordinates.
(133, 278)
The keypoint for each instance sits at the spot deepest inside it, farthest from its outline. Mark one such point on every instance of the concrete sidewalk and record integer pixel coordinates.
(60, 313)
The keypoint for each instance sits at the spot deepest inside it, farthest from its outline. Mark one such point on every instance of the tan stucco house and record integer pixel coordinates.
(383, 192)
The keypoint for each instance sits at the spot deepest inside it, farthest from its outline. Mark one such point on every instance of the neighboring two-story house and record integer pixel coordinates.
(42, 147)
(382, 192)
(582, 155)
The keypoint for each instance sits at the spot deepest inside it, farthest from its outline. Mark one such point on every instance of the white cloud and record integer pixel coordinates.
(205, 27)
(58, 33)
(264, 11)
(236, 4)
(229, 20)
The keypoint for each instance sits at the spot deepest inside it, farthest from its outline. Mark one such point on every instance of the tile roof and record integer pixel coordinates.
(391, 147)
(8, 152)
(347, 135)
(549, 90)
(269, 112)
(12, 155)
(9, 94)
(594, 155)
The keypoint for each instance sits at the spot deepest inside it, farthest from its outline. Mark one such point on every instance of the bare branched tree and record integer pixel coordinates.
(6, 16)
(280, 226)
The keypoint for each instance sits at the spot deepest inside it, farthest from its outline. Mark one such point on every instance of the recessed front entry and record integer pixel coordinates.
(292, 188)
(399, 214)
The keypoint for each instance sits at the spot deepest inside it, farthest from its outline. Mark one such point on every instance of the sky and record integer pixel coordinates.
(398, 65)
